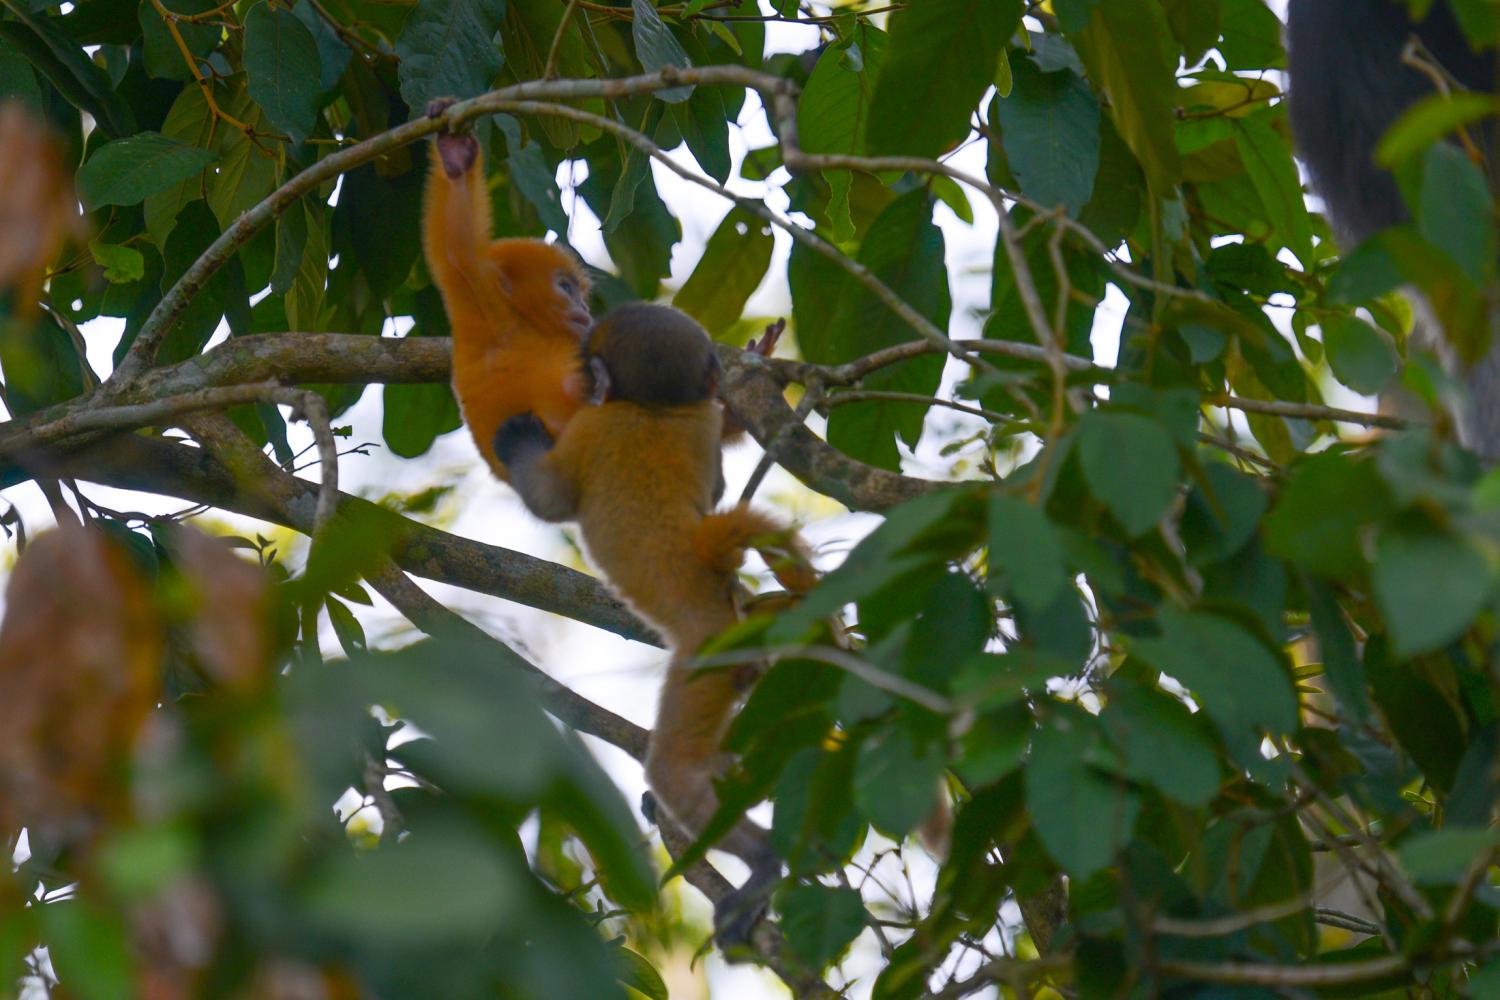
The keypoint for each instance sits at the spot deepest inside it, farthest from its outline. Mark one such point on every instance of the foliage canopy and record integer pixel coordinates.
(1189, 645)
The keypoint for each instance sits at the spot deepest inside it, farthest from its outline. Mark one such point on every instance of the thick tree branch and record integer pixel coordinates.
(142, 353)
(151, 465)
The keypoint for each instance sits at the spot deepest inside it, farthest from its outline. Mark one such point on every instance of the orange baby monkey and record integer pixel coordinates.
(518, 307)
(639, 473)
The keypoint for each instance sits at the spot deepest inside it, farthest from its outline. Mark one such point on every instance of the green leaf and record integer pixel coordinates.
(1195, 23)
(1121, 47)
(1321, 513)
(189, 121)
(834, 110)
(532, 176)
(291, 240)
(163, 58)
(414, 415)
(436, 887)
(1429, 120)
(281, 62)
(1362, 356)
(1267, 157)
(1456, 213)
(820, 922)
(703, 121)
(640, 975)
(895, 781)
(1050, 130)
(449, 48)
(731, 268)
(890, 552)
(1430, 584)
(1025, 548)
(1441, 857)
(121, 263)
(89, 949)
(1242, 685)
(246, 171)
(1341, 665)
(838, 320)
(941, 58)
(1221, 515)
(54, 54)
(1131, 466)
(1162, 743)
(657, 48)
(127, 171)
(41, 363)
(1083, 816)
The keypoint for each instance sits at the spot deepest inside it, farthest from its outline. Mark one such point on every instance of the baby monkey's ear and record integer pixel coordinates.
(599, 381)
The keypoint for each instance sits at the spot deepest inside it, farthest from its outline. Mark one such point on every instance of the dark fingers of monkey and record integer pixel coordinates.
(458, 152)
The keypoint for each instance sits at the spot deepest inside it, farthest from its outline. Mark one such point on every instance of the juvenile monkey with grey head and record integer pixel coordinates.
(640, 474)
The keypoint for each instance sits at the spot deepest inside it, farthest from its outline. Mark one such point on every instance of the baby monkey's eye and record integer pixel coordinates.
(567, 286)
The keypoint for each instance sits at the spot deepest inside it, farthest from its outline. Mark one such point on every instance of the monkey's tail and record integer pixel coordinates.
(721, 539)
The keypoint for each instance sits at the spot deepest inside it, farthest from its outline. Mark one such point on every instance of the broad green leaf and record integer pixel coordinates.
(1322, 512)
(445, 886)
(703, 121)
(838, 320)
(941, 58)
(121, 263)
(1362, 356)
(640, 975)
(532, 176)
(820, 922)
(45, 44)
(291, 240)
(1251, 36)
(127, 171)
(657, 48)
(1025, 551)
(731, 268)
(1430, 585)
(163, 58)
(449, 48)
(1162, 743)
(1341, 664)
(1429, 120)
(1267, 157)
(834, 110)
(1121, 47)
(1050, 128)
(895, 782)
(189, 121)
(1441, 857)
(1222, 514)
(1456, 212)
(1083, 816)
(1195, 23)
(884, 556)
(1238, 681)
(41, 363)
(247, 170)
(1131, 465)
(281, 64)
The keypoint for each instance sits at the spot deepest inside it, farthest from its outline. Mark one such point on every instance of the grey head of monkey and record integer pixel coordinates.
(652, 355)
